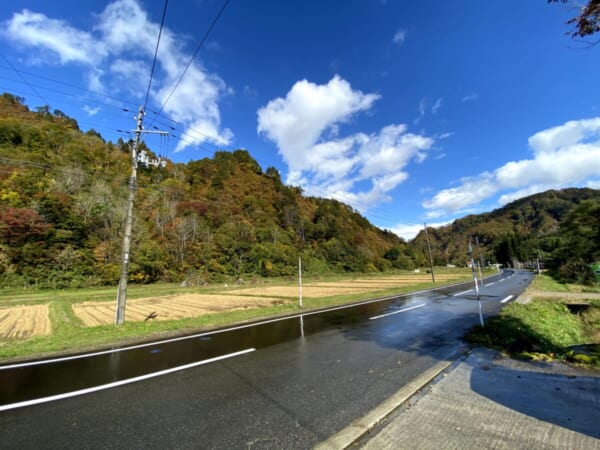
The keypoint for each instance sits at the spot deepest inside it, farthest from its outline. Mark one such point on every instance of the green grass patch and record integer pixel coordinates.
(545, 282)
(542, 329)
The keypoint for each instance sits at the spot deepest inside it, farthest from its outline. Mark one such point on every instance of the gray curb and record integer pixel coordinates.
(344, 438)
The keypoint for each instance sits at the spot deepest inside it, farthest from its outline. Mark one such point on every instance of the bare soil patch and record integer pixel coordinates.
(21, 322)
(166, 308)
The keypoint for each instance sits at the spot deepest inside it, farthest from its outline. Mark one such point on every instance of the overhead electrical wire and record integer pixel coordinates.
(212, 25)
(97, 93)
(188, 133)
(162, 22)
(24, 80)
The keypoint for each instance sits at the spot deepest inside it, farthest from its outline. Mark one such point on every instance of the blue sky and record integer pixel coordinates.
(411, 112)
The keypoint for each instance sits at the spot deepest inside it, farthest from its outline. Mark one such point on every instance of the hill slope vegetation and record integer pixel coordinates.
(561, 228)
(63, 194)
(62, 201)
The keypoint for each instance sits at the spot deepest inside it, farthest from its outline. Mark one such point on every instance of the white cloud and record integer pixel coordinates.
(470, 97)
(250, 92)
(121, 46)
(399, 37)
(90, 110)
(563, 156)
(305, 127)
(425, 106)
(36, 31)
(409, 231)
(422, 110)
(131, 69)
(296, 122)
(94, 79)
(593, 184)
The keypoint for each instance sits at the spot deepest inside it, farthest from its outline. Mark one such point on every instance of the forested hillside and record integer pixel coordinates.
(62, 205)
(562, 228)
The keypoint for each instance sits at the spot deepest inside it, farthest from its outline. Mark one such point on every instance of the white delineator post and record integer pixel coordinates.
(470, 250)
(300, 281)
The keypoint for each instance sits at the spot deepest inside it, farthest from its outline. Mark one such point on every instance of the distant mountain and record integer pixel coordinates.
(62, 201)
(520, 231)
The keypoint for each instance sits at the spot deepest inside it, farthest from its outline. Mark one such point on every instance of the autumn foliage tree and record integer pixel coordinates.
(587, 22)
(62, 202)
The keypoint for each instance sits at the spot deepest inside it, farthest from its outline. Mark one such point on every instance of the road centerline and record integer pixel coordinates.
(458, 294)
(398, 312)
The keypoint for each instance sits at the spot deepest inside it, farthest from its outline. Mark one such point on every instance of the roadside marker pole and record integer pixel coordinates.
(300, 280)
(470, 250)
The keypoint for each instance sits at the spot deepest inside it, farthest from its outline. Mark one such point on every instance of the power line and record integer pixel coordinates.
(214, 22)
(23, 78)
(162, 22)
(67, 94)
(100, 94)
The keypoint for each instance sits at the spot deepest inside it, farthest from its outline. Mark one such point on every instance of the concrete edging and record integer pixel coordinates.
(344, 438)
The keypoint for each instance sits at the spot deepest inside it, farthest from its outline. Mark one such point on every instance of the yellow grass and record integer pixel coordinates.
(24, 321)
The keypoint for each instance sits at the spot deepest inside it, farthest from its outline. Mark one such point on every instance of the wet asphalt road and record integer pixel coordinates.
(301, 379)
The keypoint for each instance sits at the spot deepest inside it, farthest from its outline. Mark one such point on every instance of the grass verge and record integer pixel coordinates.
(544, 329)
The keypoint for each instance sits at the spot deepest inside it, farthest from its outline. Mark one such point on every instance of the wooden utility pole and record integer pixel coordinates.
(135, 156)
(480, 260)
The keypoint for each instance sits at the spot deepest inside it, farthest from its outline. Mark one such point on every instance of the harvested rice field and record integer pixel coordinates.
(20, 322)
(166, 308)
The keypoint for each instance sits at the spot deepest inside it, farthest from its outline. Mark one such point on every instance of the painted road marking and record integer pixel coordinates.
(491, 284)
(397, 312)
(121, 382)
(506, 299)
(461, 293)
(209, 333)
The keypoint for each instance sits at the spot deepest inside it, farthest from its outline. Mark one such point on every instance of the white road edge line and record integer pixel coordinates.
(491, 284)
(461, 293)
(121, 382)
(397, 312)
(506, 299)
